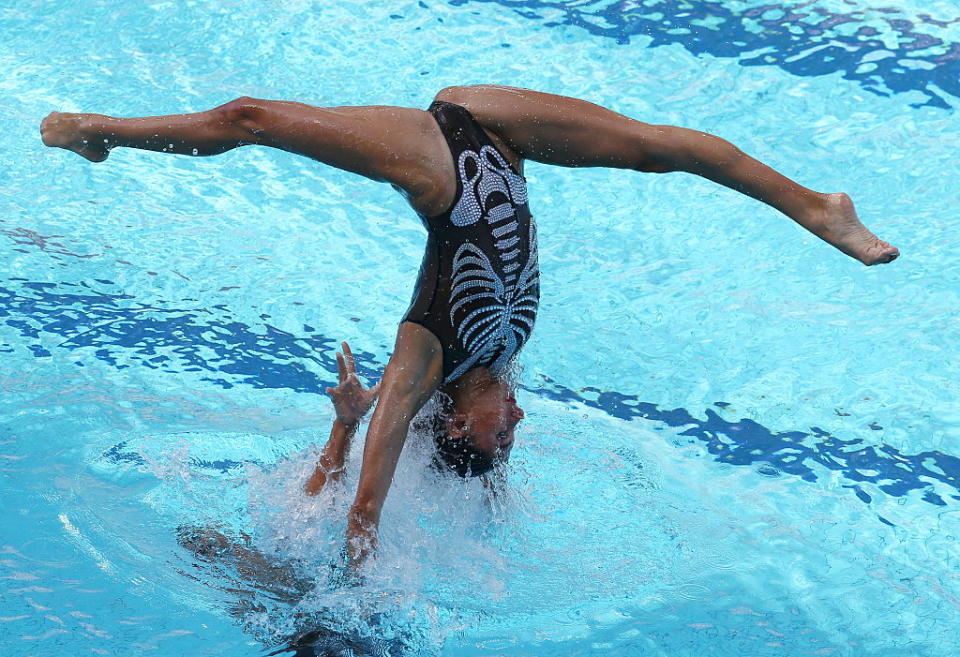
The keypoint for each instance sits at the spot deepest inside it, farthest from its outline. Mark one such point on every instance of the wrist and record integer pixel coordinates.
(349, 424)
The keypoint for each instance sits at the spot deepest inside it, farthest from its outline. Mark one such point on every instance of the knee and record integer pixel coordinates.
(638, 146)
(245, 113)
(663, 149)
(692, 150)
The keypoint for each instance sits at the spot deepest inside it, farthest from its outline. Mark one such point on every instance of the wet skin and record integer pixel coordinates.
(405, 148)
(486, 411)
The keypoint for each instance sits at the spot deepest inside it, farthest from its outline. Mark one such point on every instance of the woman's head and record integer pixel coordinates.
(474, 428)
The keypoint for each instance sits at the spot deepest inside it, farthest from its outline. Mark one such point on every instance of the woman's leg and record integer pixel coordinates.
(576, 133)
(398, 145)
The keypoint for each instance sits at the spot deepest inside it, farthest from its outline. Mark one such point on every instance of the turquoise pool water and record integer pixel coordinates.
(738, 442)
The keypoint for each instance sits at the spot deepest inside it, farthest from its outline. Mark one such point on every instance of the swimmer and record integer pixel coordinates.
(459, 164)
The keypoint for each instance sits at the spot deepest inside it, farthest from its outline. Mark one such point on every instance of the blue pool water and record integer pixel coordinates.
(738, 441)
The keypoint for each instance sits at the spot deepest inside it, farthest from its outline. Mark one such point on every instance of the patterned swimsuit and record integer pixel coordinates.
(479, 283)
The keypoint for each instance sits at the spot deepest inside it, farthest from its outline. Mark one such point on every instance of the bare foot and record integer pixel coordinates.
(837, 223)
(68, 131)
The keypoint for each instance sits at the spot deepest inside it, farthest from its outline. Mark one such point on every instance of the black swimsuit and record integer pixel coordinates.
(479, 283)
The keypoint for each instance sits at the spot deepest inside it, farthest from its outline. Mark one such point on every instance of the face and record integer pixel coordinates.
(489, 419)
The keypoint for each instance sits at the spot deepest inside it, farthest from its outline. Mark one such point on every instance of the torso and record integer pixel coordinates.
(478, 289)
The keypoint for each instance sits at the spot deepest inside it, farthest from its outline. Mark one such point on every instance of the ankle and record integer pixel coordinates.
(815, 210)
(91, 126)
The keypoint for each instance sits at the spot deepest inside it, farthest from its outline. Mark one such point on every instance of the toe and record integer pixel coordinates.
(889, 254)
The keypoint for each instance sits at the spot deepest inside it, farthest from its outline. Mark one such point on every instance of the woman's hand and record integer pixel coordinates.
(350, 399)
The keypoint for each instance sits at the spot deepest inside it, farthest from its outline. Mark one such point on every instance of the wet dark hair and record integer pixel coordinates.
(457, 454)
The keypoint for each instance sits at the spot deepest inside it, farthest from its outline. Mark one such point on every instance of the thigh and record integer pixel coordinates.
(398, 145)
(562, 130)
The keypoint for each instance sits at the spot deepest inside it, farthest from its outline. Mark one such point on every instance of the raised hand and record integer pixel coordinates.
(350, 399)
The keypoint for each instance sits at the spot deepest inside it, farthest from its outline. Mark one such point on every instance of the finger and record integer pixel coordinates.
(351, 365)
(330, 391)
(341, 368)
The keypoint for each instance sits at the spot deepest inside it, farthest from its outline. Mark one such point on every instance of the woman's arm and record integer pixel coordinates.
(413, 373)
(330, 467)
(351, 402)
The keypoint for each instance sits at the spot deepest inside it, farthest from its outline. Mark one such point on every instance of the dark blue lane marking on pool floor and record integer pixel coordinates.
(176, 338)
(119, 454)
(796, 37)
(169, 337)
(746, 442)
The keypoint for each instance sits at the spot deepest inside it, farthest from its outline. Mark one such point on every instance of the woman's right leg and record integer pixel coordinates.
(576, 133)
(398, 145)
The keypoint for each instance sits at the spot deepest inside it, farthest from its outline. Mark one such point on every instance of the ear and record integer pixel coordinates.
(458, 426)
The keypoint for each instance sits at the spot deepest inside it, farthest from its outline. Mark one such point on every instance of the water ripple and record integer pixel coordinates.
(882, 49)
(175, 338)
